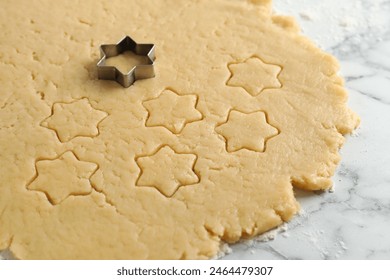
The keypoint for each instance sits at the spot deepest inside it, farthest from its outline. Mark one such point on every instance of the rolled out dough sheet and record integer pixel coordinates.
(242, 109)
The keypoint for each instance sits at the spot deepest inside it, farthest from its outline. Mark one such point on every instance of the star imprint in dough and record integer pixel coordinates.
(167, 170)
(61, 177)
(78, 118)
(246, 131)
(254, 75)
(173, 111)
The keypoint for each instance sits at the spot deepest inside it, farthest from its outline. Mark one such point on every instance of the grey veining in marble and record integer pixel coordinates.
(353, 222)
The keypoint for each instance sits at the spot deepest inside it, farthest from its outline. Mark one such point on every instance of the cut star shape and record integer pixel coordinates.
(167, 171)
(246, 131)
(70, 120)
(61, 177)
(142, 71)
(172, 111)
(254, 75)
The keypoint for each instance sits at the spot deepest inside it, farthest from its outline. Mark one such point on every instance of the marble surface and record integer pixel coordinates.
(353, 222)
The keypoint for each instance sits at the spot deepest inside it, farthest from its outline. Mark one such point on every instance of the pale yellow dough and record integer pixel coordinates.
(242, 108)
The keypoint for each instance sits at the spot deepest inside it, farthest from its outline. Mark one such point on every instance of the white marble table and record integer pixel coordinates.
(353, 222)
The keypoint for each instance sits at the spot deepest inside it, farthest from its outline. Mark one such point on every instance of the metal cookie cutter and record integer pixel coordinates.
(143, 71)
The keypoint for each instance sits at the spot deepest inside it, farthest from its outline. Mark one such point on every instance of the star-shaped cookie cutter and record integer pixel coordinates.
(143, 71)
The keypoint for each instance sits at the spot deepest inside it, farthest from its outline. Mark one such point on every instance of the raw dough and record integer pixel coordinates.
(242, 108)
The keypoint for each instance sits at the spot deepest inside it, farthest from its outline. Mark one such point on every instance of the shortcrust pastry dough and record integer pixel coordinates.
(242, 108)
